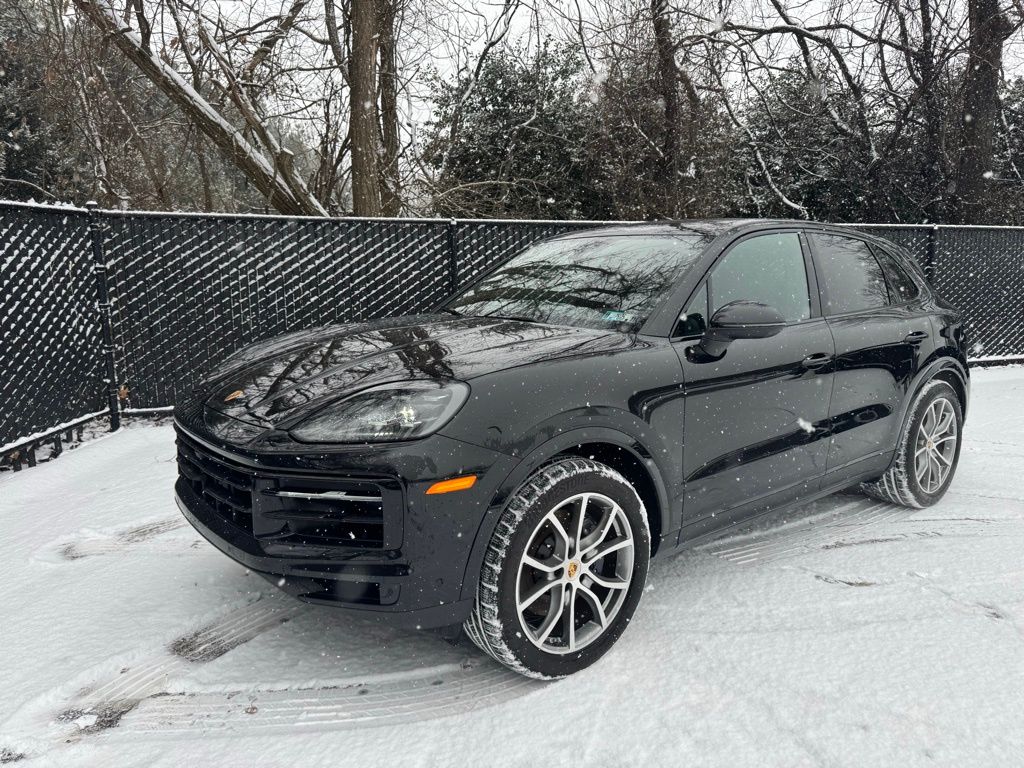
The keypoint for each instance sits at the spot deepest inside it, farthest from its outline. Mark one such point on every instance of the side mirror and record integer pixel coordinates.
(738, 320)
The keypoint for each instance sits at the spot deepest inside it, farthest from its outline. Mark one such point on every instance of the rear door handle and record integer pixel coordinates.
(819, 360)
(916, 337)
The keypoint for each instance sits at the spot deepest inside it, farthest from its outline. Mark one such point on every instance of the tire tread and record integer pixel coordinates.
(894, 484)
(484, 626)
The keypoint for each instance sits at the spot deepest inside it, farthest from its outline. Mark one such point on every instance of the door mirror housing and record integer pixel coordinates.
(738, 320)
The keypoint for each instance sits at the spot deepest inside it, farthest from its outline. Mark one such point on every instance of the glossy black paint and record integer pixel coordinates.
(756, 421)
(816, 406)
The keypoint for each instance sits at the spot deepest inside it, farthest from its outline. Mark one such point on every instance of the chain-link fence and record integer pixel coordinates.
(185, 290)
(51, 347)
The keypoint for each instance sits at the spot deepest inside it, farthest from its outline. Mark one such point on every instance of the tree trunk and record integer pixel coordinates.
(390, 190)
(204, 174)
(668, 85)
(691, 150)
(933, 153)
(366, 198)
(989, 29)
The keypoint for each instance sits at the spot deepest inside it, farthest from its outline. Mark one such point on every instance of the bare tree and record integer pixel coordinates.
(496, 32)
(274, 176)
(885, 71)
(882, 108)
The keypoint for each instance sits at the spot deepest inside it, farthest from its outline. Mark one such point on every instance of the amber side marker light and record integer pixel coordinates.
(455, 484)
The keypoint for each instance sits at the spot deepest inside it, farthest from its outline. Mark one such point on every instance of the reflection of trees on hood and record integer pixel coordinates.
(419, 352)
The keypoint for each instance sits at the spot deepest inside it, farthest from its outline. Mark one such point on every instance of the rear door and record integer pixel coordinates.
(755, 430)
(881, 329)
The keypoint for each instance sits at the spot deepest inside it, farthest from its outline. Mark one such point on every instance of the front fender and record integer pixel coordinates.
(541, 454)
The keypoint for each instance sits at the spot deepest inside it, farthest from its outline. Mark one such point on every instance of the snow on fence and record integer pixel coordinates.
(111, 310)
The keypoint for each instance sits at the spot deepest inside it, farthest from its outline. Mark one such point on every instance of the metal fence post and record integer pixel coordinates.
(453, 257)
(99, 268)
(930, 250)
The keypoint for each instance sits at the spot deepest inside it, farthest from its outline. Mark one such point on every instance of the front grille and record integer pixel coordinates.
(293, 514)
(224, 486)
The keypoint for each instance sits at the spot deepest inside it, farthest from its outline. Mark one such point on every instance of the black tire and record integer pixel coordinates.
(496, 626)
(899, 484)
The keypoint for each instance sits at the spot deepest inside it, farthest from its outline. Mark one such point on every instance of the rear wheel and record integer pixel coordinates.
(928, 452)
(564, 570)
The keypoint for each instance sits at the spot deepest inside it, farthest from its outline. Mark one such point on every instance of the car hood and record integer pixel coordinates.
(277, 382)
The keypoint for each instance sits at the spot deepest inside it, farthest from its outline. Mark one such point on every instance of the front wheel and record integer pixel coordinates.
(564, 570)
(928, 451)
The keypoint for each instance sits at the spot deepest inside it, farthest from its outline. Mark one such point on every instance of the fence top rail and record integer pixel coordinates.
(1001, 227)
(115, 212)
(890, 225)
(380, 219)
(52, 207)
(111, 212)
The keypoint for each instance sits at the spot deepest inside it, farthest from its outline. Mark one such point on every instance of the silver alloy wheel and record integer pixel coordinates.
(575, 573)
(936, 445)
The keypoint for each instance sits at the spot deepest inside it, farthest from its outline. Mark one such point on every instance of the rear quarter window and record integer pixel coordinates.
(849, 275)
(902, 287)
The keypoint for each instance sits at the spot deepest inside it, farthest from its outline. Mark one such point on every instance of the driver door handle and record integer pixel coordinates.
(816, 361)
(916, 337)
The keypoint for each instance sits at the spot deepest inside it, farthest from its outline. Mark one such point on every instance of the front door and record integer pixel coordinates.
(756, 420)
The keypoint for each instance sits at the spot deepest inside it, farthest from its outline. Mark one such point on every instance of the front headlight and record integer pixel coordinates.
(404, 410)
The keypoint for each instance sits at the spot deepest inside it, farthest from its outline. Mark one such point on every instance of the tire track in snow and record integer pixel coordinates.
(426, 695)
(104, 706)
(137, 701)
(846, 525)
(770, 545)
(213, 641)
(114, 542)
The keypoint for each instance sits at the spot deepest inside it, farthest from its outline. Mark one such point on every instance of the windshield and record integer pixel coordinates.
(590, 282)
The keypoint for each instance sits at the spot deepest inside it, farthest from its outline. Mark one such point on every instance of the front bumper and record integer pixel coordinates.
(411, 569)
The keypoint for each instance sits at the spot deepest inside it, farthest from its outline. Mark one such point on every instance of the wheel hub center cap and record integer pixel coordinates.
(573, 569)
(931, 444)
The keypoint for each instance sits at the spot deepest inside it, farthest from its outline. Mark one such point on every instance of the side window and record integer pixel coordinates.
(694, 320)
(902, 287)
(849, 275)
(768, 269)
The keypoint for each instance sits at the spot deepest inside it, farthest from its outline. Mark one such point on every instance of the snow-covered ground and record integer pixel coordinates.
(847, 633)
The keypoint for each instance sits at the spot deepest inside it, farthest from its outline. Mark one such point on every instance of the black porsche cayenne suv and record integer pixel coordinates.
(513, 461)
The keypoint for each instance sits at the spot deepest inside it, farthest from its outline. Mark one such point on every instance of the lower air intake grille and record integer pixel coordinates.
(292, 513)
(223, 485)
